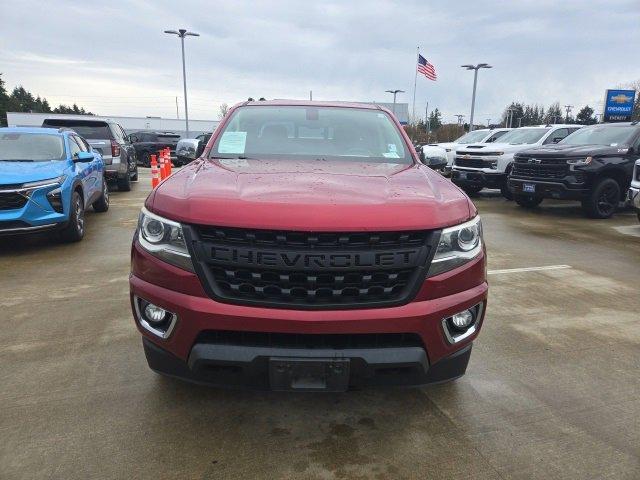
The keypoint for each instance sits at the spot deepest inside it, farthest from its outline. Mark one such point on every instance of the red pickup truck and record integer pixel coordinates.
(308, 249)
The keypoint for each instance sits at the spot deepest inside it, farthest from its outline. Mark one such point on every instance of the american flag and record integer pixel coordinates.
(426, 69)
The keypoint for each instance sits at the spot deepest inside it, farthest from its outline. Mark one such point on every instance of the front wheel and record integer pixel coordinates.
(506, 193)
(603, 200)
(74, 231)
(527, 201)
(124, 184)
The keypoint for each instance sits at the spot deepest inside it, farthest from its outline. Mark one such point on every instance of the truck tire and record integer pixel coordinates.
(102, 204)
(603, 200)
(528, 201)
(506, 193)
(124, 184)
(134, 175)
(74, 231)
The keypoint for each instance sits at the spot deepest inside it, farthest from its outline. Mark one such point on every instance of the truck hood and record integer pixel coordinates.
(311, 196)
(576, 150)
(493, 147)
(12, 173)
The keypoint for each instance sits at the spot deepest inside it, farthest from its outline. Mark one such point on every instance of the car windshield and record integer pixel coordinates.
(601, 135)
(311, 133)
(523, 136)
(31, 147)
(472, 137)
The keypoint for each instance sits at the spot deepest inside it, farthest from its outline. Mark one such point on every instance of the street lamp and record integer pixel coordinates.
(184, 33)
(395, 92)
(475, 69)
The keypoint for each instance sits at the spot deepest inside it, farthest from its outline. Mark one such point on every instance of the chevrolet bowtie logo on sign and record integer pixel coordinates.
(618, 105)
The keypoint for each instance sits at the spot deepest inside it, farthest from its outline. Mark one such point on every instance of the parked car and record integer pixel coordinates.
(479, 166)
(433, 157)
(634, 189)
(351, 264)
(188, 149)
(593, 165)
(483, 135)
(109, 140)
(48, 177)
(149, 143)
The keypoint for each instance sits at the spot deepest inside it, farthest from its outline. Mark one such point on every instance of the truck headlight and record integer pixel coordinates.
(457, 246)
(579, 162)
(164, 239)
(52, 182)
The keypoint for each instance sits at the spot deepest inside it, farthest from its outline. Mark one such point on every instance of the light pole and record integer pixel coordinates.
(184, 33)
(568, 109)
(395, 92)
(475, 69)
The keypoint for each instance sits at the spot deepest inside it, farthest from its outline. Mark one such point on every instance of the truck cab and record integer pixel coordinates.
(479, 166)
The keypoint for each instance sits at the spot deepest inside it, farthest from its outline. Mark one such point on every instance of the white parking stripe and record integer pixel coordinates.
(528, 269)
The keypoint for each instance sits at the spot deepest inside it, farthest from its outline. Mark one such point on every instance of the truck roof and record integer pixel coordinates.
(311, 103)
(49, 130)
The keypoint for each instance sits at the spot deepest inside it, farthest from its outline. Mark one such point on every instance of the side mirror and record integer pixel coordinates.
(436, 163)
(83, 157)
(133, 139)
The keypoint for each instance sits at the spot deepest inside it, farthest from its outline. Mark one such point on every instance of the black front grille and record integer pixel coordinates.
(13, 224)
(473, 162)
(310, 341)
(545, 168)
(318, 270)
(12, 200)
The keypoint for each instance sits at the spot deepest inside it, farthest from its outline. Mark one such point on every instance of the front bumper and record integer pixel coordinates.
(634, 198)
(183, 354)
(249, 367)
(36, 215)
(477, 178)
(547, 189)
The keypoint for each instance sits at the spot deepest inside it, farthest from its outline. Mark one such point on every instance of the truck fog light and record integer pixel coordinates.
(154, 314)
(462, 320)
(154, 319)
(463, 324)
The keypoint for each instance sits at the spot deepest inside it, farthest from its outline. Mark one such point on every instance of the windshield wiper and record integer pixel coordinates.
(241, 157)
(16, 160)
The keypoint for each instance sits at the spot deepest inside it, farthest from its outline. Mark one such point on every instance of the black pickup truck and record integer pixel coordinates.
(593, 165)
(148, 143)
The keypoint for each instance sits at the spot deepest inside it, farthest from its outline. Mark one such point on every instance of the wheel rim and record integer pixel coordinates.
(608, 200)
(79, 217)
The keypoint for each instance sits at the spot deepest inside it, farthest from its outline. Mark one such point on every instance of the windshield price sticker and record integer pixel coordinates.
(232, 142)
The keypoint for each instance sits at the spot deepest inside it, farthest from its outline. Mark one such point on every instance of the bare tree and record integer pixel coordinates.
(224, 108)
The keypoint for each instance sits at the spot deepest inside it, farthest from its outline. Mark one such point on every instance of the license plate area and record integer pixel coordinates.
(529, 187)
(309, 374)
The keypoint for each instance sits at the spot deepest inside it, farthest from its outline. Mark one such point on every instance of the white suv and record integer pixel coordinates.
(487, 165)
(484, 135)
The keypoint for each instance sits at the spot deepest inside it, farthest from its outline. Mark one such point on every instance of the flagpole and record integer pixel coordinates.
(415, 81)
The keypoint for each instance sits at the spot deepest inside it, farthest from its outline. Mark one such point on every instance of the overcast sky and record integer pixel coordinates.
(112, 58)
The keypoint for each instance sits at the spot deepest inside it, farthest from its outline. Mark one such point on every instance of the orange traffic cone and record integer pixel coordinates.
(169, 161)
(155, 179)
(162, 167)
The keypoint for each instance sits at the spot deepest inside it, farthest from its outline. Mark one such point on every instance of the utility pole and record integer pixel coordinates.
(488, 122)
(177, 112)
(568, 108)
(519, 122)
(311, 95)
(475, 69)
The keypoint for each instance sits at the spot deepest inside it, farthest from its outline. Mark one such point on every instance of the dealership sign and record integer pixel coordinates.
(618, 105)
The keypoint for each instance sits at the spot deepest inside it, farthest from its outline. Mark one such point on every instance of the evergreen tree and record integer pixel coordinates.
(435, 119)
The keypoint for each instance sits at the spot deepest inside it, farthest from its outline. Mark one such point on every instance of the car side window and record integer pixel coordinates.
(74, 148)
(556, 134)
(81, 143)
(495, 137)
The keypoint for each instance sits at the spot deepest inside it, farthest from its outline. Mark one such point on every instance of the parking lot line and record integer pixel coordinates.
(528, 269)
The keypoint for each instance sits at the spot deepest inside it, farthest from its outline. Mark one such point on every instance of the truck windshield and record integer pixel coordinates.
(523, 136)
(601, 135)
(472, 137)
(31, 147)
(311, 133)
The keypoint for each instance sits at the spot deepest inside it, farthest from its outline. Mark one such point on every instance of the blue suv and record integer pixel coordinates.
(48, 177)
